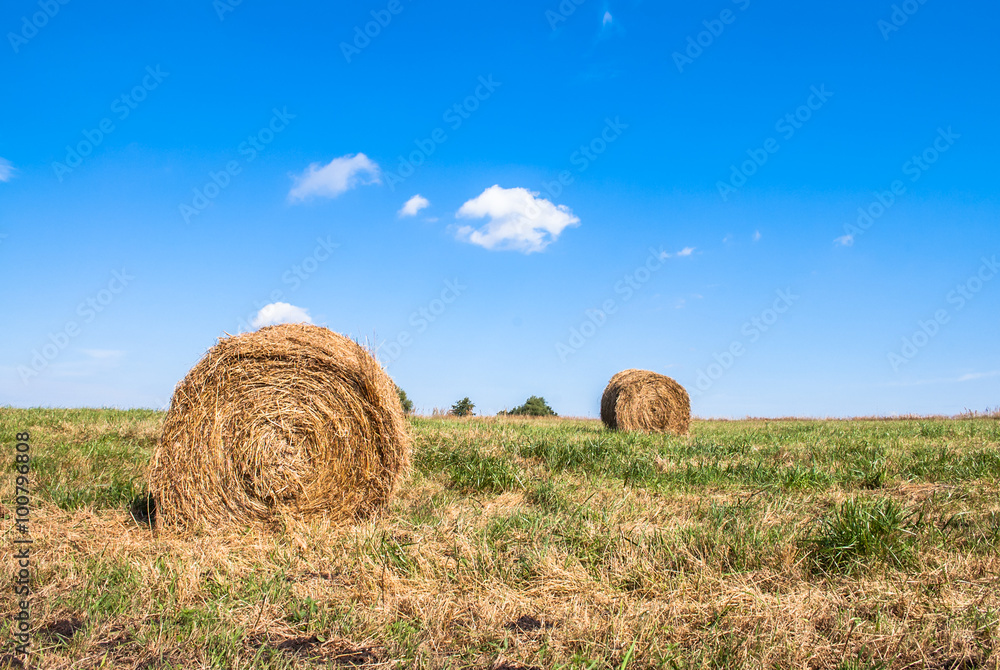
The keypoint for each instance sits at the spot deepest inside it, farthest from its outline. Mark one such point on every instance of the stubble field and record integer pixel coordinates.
(550, 543)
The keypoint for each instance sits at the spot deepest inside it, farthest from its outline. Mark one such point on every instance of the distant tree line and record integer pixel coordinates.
(533, 406)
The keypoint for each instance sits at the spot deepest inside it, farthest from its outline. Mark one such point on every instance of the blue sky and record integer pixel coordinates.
(792, 210)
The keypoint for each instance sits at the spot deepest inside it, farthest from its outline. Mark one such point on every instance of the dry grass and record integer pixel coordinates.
(288, 421)
(643, 401)
(555, 544)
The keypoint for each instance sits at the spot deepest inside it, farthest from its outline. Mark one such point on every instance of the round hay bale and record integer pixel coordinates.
(291, 420)
(643, 401)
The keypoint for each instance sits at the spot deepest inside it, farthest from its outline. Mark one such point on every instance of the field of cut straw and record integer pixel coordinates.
(548, 543)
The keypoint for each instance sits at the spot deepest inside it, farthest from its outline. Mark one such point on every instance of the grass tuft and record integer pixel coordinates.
(862, 534)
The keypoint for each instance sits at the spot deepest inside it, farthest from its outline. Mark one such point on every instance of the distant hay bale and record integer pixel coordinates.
(643, 401)
(288, 421)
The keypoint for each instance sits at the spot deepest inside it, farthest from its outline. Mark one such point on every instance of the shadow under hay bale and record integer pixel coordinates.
(143, 510)
(643, 401)
(289, 421)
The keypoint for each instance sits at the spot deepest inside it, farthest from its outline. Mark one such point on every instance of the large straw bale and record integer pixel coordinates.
(644, 401)
(291, 420)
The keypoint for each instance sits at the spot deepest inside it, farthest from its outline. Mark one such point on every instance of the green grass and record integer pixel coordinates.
(468, 469)
(791, 543)
(864, 533)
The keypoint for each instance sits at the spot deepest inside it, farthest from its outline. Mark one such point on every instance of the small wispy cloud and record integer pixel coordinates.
(336, 177)
(414, 205)
(6, 170)
(978, 375)
(686, 251)
(968, 377)
(280, 312)
(845, 241)
(756, 236)
(610, 27)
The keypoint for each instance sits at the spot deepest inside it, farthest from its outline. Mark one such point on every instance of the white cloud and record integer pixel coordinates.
(280, 312)
(686, 251)
(339, 175)
(519, 220)
(607, 19)
(756, 236)
(6, 170)
(845, 241)
(414, 205)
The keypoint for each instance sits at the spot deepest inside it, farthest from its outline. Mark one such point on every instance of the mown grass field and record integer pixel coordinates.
(548, 543)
